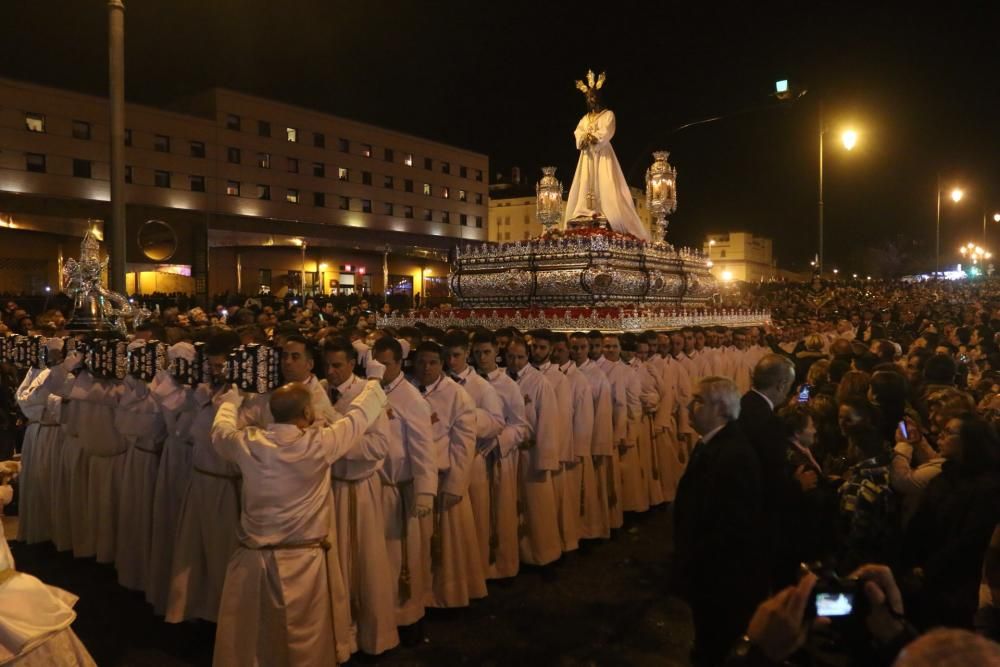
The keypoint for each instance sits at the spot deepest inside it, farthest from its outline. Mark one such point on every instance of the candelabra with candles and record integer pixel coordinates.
(661, 190)
(548, 201)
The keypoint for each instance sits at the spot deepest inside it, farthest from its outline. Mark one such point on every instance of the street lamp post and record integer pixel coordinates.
(956, 196)
(116, 95)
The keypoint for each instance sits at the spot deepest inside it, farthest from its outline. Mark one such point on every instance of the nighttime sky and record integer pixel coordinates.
(498, 78)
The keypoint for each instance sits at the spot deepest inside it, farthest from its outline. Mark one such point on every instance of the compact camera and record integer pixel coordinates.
(834, 596)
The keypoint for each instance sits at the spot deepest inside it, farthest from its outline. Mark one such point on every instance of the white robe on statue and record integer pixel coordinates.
(599, 173)
(39, 453)
(283, 603)
(34, 617)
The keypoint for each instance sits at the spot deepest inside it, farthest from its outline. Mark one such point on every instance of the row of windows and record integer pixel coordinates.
(505, 236)
(35, 122)
(163, 179)
(235, 122)
(36, 163)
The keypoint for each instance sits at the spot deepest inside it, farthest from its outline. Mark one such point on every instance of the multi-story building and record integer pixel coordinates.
(741, 256)
(227, 191)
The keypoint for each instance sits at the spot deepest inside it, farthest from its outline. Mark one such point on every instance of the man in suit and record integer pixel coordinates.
(719, 555)
(772, 379)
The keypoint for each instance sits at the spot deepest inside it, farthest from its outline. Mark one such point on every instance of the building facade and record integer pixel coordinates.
(741, 256)
(231, 192)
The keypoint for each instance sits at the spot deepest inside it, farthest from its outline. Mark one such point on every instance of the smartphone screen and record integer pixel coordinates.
(834, 604)
(804, 394)
(902, 429)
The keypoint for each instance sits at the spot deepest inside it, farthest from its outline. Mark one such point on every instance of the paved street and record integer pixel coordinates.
(606, 606)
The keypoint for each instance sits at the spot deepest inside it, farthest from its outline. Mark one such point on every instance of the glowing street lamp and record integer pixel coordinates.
(956, 195)
(849, 138)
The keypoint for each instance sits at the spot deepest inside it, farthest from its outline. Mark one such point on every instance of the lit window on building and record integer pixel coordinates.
(197, 149)
(445, 192)
(319, 199)
(319, 169)
(427, 189)
(291, 134)
(366, 178)
(366, 205)
(366, 150)
(81, 129)
(387, 182)
(264, 160)
(389, 155)
(232, 122)
(161, 179)
(293, 165)
(263, 191)
(407, 211)
(408, 160)
(462, 196)
(35, 162)
(233, 155)
(233, 188)
(343, 174)
(387, 208)
(292, 196)
(319, 140)
(34, 122)
(161, 143)
(344, 145)
(263, 128)
(197, 183)
(82, 168)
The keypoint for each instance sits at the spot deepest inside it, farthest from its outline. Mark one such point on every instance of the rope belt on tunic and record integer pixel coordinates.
(352, 521)
(493, 480)
(403, 585)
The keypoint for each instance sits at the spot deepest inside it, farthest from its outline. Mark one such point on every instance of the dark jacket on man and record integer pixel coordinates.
(719, 561)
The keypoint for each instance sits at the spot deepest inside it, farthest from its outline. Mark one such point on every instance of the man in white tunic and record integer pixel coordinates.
(40, 449)
(140, 424)
(297, 365)
(96, 461)
(456, 568)
(621, 379)
(210, 509)
(576, 421)
(279, 604)
(178, 410)
(409, 485)
(538, 457)
(635, 497)
(599, 188)
(489, 423)
(596, 517)
(502, 461)
(357, 495)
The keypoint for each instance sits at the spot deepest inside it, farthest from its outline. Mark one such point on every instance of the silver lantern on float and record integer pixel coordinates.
(548, 201)
(661, 190)
(95, 308)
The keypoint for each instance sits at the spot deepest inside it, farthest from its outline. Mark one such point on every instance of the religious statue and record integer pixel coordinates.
(94, 305)
(599, 191)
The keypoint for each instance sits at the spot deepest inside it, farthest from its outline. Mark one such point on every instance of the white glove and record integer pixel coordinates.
(182, 350)
(73, 361)
(374, 370)
(232, 395)
(136, 344)
(424, 505)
